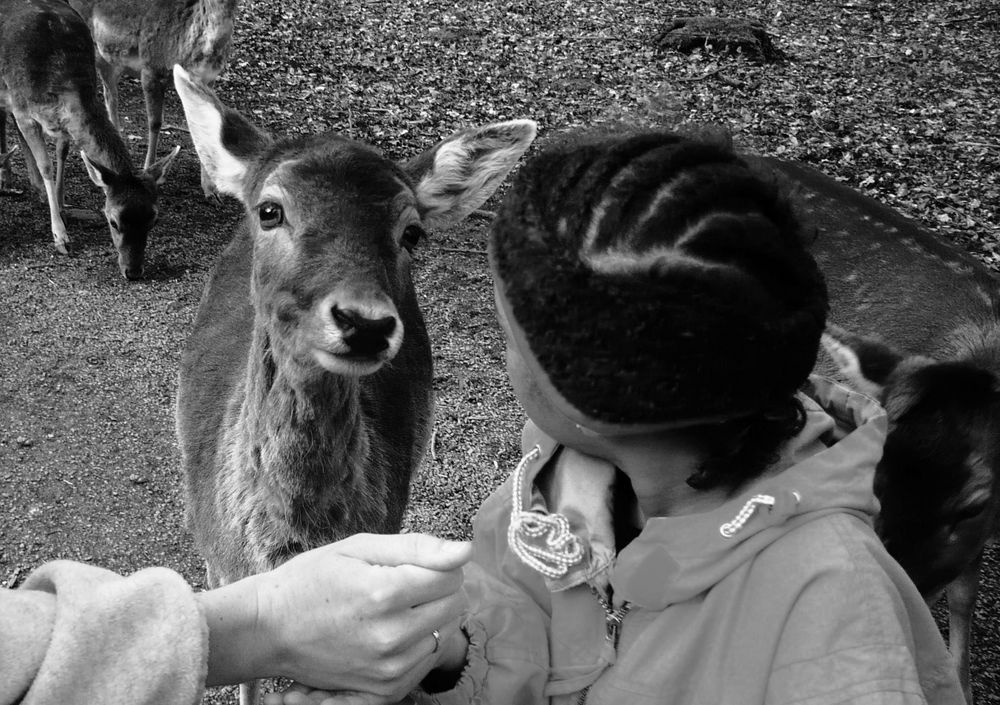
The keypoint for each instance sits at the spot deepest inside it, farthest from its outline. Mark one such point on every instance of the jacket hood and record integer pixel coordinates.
(566, 531)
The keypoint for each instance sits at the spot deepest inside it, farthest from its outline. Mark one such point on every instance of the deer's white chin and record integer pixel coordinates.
(346, 364)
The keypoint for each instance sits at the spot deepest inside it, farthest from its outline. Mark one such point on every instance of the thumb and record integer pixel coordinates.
(421, 550)
(354, 699)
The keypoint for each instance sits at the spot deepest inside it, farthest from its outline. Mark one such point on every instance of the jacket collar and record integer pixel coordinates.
(827, 468)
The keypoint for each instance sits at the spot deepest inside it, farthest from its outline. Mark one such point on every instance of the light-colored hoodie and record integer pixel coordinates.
(74, 633)
(782, 595)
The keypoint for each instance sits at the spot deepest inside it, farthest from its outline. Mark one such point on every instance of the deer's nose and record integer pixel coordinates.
(132, 273)
(364, 335)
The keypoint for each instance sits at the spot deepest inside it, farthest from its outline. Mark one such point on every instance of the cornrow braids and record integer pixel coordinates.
(658, 279)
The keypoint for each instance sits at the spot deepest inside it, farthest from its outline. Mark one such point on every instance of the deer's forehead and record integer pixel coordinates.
(329, 199)
(345, 179)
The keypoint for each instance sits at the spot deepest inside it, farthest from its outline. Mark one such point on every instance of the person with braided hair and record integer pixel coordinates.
(691, 522)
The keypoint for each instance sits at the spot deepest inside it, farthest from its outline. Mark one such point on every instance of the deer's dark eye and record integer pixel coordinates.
(412, 235)
(271, 215)
(114, 225)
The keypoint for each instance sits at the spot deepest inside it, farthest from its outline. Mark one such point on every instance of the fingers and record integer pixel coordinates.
(410, 585)
(421, 550)
(355, 699)
(443, 615)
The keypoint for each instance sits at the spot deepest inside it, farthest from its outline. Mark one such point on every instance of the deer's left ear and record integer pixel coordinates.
(158, 169)
(458, 174)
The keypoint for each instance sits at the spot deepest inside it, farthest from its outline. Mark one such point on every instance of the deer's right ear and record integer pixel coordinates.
(225, 141)
(99, 174)
(866, 362)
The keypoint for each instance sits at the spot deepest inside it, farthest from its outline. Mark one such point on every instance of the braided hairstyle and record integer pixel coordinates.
(658, 279)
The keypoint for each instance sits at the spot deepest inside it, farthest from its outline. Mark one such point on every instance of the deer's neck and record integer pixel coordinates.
(96, 136)
(302, 428)
(217, 12)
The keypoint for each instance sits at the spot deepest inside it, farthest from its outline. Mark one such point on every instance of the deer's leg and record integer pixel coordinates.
(152, 91)
(4, 154)
(30, 167)
(250, 693)
(962, 593)
(31, 134)
(110, 75)
(62, 151)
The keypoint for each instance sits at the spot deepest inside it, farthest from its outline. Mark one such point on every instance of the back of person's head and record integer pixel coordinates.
(658, 281)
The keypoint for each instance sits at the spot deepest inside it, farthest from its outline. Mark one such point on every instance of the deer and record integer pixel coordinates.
(49, 85)
(304, 400)
(138, 37)
(915, 323)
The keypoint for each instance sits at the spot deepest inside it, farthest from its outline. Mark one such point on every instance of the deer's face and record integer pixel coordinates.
(131, 211)
(938, 481)
(130, 208)
(937, 478)
(333, 224)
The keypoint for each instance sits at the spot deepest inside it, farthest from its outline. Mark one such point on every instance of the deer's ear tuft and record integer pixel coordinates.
(458, 174)
(866, 362)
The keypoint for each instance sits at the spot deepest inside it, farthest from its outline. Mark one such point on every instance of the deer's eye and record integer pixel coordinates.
(271, 215)
(114, 225)
(412, 235)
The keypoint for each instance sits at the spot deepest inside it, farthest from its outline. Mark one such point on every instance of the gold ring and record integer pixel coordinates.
(437, 640)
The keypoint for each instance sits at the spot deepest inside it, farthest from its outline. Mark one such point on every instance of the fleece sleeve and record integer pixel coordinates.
(507, 623)
(76, 633)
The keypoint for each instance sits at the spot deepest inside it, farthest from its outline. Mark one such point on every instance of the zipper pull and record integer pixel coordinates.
(614, 627)
(613, 618)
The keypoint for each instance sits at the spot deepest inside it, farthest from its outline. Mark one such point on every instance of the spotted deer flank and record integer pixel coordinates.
(916, 324)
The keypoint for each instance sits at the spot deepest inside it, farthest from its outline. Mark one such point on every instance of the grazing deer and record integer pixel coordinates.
(148, 38)
(304, 401)
(906, 290)
(48, 83)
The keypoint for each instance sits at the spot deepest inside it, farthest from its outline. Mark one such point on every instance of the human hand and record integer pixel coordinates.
(358, 615)
(450, 658)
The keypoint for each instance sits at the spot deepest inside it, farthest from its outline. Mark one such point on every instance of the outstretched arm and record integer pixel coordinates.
(354, 615)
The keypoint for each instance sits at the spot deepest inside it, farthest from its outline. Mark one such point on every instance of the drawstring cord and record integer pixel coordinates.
(729, 529)
(561, 548)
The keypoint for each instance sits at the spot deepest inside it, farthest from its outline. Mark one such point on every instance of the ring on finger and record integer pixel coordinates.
(437, 640)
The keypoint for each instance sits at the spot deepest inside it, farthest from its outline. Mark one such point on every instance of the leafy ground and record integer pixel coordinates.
(899, 99)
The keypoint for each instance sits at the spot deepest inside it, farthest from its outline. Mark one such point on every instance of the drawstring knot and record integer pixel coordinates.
(558, 550)
(729, 529)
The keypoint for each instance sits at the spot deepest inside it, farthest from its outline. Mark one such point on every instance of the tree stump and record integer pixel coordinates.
(728, 35)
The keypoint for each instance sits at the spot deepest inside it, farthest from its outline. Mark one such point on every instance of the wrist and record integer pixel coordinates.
(237, 635)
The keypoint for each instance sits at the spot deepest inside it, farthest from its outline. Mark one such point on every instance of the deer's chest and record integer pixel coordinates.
(117, 43)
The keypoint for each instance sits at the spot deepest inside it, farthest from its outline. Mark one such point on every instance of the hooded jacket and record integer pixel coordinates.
(784, 594)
